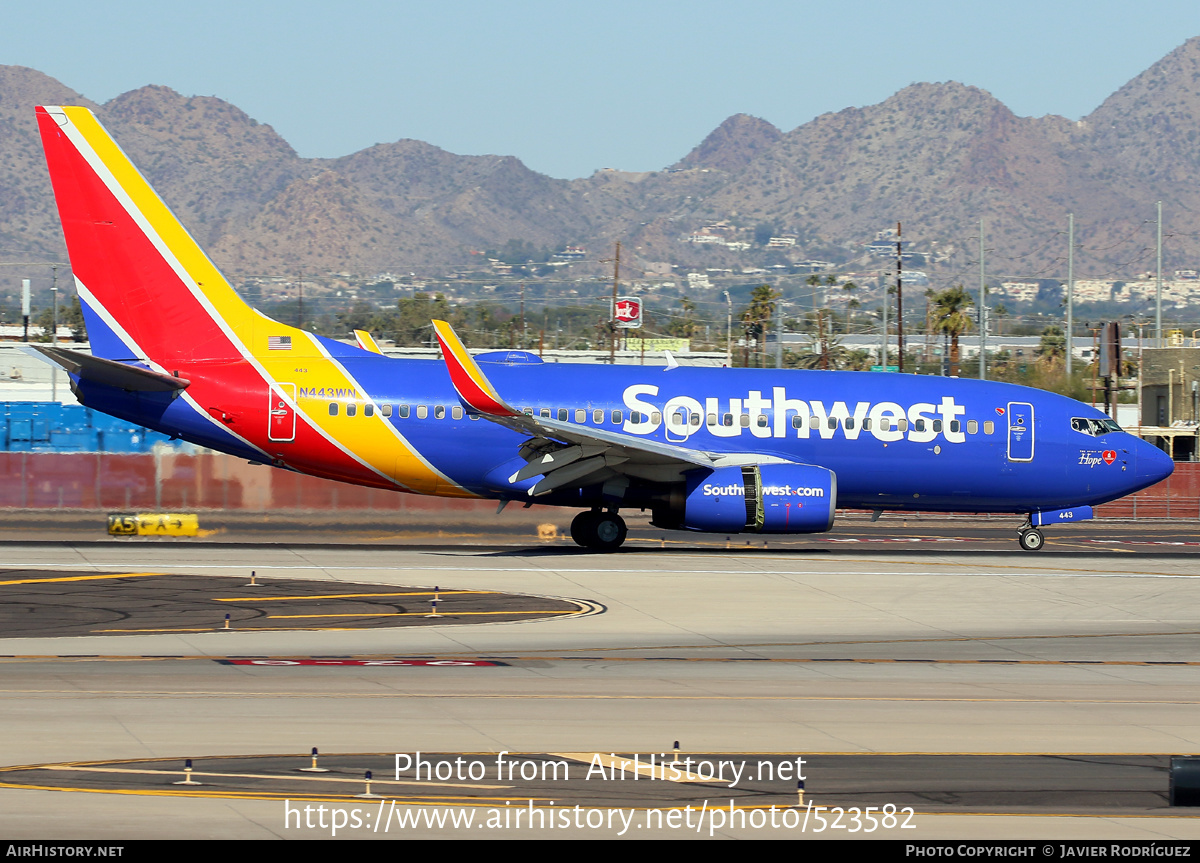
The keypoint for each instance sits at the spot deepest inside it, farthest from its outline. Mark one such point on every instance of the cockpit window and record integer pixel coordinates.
(1094, 427)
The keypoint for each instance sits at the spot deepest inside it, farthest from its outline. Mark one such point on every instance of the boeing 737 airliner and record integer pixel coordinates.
(720, 450)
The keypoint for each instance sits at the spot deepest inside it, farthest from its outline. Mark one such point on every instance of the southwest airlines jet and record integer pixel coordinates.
(720, 450)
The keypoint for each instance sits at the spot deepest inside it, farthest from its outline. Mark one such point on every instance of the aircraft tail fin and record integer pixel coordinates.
(473, 387)
(147, 290)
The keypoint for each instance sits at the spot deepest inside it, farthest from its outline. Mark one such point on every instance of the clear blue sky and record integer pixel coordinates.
(572, 87)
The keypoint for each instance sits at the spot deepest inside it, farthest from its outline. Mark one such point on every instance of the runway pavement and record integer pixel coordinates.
(830, 651)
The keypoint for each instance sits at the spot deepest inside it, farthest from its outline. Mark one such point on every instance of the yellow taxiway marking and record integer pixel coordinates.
(83, 578)
(287, 776)
(349, 595)
(491, 802)
(415, 614)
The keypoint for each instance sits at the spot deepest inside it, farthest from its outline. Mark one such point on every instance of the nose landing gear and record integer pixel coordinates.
(1029, 537)
(599, 531)
(1031, 540)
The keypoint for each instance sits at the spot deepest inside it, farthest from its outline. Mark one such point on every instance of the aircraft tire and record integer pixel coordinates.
(1032, 540)
(583, 528)
(608, 531)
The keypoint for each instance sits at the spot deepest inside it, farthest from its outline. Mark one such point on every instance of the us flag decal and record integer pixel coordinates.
(279, 343)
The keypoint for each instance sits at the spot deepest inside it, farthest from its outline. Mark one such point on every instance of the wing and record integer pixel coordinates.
(569, 455)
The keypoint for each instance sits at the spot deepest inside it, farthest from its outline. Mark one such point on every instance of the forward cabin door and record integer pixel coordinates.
(281, 417)
(1020, 431)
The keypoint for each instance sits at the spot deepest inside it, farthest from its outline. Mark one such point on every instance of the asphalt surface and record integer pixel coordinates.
(47, 603)
(996, 693)
(1092, 784)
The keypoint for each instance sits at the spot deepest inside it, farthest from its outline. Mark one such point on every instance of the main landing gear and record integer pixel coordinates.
(599, 531)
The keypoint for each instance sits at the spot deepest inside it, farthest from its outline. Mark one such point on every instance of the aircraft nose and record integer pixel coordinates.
(1152, 465)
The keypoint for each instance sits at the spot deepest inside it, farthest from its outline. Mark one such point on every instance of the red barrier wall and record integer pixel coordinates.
(189, 482)
(1178, 496)
(213, 481)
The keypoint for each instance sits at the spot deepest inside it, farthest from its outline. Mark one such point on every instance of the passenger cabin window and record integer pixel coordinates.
(333, 409)
(580, 415)
(597, 416)
(727, 420)
(656, 417)
(635, 416)
(368, 410)
(387, 410)
(972, 427)
(937, 426)
(545, 412)
(885, 425)
(814, 422)
(457, 412)
(829, 423)
(527, 411)
(562, 415)
(351, 409)
(849, 423)
(919, 425)
(712, 420)
(439, 412)
(695, 420)
(797, 422)
(902, 425)
(955, 426)
(867, 424)
(617, 417)
(744, 420)
(404, 412)
(422, 412)
(988, 426)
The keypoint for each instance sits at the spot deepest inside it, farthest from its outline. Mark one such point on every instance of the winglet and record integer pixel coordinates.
(366, 342)
(472, 386)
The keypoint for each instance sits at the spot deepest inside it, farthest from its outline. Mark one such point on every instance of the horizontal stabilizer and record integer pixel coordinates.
(111, 373)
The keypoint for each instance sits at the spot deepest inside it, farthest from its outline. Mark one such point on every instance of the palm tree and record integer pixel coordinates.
(851, 305)
(1052, 349)
(951, 318)
(1000, 313)
(755, 317)
(814, 282)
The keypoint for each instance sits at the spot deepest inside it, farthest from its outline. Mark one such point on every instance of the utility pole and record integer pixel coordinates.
(982, 310)
(779, 331)
(1070, 289)
(54, 338)
(25, 303)
(899, 301)
(521, 344)
(612, 346)
(1158, 334)
(728, 332)
(883, 360)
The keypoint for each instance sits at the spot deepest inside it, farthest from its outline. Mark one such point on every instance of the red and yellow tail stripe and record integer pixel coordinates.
(172, 307)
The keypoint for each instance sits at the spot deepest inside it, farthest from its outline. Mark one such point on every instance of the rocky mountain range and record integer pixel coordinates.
(936, 156)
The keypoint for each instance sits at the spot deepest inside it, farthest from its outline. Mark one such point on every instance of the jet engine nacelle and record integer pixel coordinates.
(769, 498)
